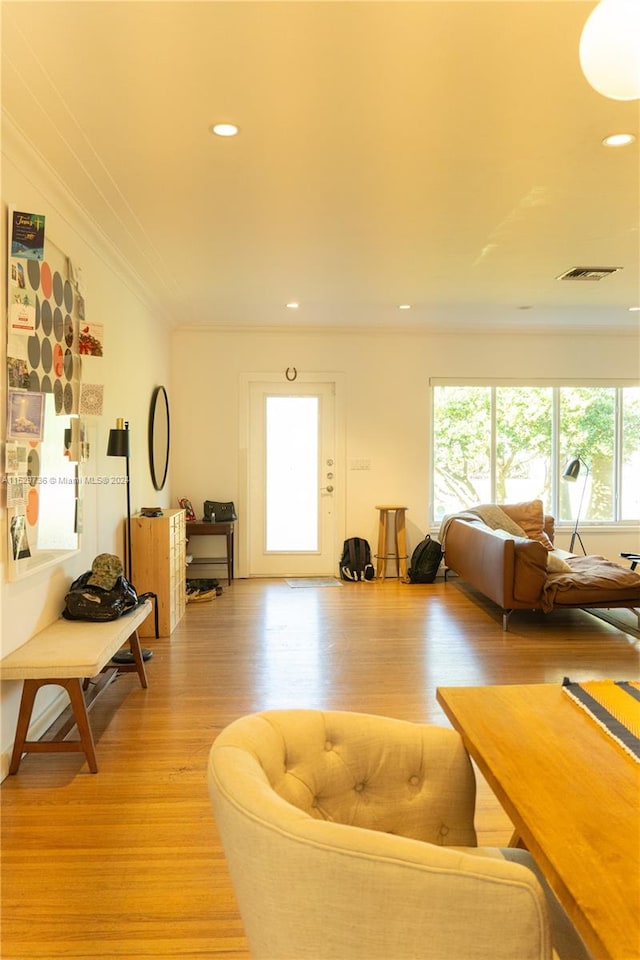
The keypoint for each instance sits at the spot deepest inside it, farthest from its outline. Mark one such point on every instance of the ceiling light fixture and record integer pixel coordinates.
(610, 49)
(404, 306)
(225, 129)
(634, 309)
(293, 305)
(618, 140)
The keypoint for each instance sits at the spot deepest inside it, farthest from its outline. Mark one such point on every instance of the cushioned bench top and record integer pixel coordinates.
(71, 648)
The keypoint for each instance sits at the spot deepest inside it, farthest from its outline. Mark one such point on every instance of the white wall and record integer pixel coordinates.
(135, 361)
(386, 407)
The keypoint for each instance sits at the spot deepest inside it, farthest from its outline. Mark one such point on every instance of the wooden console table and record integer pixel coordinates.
(196, 529)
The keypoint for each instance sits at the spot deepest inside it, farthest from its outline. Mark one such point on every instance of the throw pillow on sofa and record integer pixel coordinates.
(530, 516)
(555, 563)
(497, 519)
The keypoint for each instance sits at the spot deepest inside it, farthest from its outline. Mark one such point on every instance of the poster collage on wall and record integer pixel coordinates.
(48, 338)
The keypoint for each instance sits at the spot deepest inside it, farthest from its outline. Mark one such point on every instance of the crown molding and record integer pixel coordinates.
(21, 152)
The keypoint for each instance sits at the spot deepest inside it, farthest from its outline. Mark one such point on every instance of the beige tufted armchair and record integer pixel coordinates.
(351, 836)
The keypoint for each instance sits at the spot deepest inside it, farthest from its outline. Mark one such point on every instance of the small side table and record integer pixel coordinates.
(633, 557)
(196, 529)
(399, 550)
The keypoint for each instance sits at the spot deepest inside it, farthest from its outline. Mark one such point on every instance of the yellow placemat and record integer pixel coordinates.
(615, 707)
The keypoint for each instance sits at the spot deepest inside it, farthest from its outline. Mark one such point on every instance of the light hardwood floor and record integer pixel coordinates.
(126, 863)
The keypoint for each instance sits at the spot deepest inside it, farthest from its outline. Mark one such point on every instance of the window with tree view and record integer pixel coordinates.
(504, 444)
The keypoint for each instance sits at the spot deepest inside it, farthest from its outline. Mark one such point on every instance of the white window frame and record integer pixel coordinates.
(556, 465)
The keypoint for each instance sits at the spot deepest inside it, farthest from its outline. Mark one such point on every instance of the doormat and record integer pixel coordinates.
(314, 582)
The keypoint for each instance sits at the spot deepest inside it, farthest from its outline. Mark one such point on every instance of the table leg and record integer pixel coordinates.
(517, 841)
(136, 652)
(86, 745)
(382, 546)
(29, 690)
(401, 544)
(74, 689)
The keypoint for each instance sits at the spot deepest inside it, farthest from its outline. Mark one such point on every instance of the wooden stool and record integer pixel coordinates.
(399, 553)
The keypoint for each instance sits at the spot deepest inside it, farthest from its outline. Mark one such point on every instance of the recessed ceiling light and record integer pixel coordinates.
(293, 305)
(634, 309)
(225, 129)
(404, 306)
(618, 140)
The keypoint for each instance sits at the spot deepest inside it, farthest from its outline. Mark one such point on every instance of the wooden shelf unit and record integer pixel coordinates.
(158, 548)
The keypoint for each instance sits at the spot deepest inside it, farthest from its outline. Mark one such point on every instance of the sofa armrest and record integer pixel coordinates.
(530, 574)
(509, 570)
(482, 559)
(550, 527)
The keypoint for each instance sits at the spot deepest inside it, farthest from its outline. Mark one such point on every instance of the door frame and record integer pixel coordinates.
(339, 506)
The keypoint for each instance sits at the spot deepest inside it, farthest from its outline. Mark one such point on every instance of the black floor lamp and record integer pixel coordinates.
(571, 473)
(119, 446)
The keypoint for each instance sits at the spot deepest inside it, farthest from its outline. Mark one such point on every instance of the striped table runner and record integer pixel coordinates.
(614, 705)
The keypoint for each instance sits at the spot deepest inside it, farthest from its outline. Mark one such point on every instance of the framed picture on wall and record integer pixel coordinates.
(25, 415)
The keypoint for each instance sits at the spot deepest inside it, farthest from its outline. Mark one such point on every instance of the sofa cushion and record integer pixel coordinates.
(530, 516)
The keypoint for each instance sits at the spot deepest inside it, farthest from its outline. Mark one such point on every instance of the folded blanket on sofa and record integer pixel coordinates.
(487, 513)
(591, 579)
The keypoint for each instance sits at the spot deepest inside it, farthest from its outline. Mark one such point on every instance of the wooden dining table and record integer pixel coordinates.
(573, 796)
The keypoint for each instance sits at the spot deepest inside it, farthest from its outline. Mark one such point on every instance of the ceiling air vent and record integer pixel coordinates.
(588, 273)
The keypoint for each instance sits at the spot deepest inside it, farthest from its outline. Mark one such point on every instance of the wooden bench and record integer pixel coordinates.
(68, 653)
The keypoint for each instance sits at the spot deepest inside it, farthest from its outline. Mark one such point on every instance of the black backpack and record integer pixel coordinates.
(425, 561)
(355, 563)
(87, 602)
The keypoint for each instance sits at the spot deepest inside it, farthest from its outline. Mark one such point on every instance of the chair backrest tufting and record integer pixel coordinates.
(366, 771)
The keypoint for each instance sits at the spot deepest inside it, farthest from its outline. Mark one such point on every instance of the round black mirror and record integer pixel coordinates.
(159, 433)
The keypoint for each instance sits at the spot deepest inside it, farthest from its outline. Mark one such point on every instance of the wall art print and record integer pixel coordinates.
(45, 309)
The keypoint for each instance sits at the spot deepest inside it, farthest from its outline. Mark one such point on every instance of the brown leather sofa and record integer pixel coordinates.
(516, 572)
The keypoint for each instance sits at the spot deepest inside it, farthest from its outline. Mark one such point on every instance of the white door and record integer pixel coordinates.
(292, 480)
